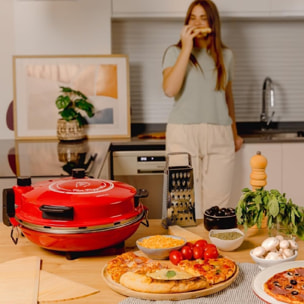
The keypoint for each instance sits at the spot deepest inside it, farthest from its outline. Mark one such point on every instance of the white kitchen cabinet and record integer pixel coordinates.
(284, 169)
(287, 8)
(231, 8)
(178, 8)
(293, 171)
(147, 8)
(62, 27)
(273, 153)
(243, 8)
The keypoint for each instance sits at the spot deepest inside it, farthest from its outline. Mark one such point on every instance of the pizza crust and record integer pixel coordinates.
(143, 283)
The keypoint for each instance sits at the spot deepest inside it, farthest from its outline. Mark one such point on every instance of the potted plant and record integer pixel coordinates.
(72, 105)
(281, 213)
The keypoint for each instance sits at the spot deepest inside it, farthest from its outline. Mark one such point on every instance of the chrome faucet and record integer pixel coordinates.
(268, 95)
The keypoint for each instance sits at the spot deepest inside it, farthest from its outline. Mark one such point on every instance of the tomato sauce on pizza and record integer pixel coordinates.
(214, 270)
(287, 286)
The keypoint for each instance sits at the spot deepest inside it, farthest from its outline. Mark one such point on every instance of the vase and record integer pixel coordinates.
(278, 229)
(70, 130)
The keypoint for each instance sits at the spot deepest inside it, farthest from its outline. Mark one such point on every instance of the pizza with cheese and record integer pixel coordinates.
(141, 274)
(214, 270)
(287, 286)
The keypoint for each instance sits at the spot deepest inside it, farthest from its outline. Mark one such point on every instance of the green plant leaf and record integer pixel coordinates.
(66, 90)
(72, 103)
(85, 106)
(69, 114)
(81, 120)
(63, 101)
(273, 207)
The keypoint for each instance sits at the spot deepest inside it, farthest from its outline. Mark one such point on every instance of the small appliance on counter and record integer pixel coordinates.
(178, 200)
(73, 214)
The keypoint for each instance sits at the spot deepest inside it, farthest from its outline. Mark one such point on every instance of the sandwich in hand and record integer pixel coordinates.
(202, 31)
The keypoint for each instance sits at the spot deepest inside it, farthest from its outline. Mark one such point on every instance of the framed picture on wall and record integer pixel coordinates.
(104, 79)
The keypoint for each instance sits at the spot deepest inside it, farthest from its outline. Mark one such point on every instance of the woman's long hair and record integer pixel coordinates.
(215, 44)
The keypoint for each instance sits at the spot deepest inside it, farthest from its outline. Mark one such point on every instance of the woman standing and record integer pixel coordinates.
(197, 72)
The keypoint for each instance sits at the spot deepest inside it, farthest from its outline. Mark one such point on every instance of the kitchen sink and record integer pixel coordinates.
(274, 136)
(292, 135)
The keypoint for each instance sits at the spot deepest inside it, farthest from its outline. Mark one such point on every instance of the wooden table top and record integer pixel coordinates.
(87, 269)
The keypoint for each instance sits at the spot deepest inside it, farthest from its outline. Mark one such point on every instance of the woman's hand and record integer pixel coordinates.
(187, 34)
(238, 142)
(173, 77)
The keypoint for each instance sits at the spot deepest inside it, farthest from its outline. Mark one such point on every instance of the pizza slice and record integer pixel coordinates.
(131, 262)
(214, 270)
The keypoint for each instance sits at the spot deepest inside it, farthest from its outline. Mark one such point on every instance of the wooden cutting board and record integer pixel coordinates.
(19, 281)
(22, 282)
(184, 233)
(54, 288)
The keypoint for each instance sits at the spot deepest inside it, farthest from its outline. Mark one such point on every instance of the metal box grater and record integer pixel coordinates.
(178, 199)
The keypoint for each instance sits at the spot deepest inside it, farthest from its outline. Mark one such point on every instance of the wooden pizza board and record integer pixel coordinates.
(54, 288)
(19, 281)
(22, 282)
(167, 296)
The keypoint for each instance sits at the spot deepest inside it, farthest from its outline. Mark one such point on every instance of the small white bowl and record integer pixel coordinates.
(263, 263)
(159, 253)
(226, 245)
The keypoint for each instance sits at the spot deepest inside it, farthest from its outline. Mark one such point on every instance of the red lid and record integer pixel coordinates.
(76, 202)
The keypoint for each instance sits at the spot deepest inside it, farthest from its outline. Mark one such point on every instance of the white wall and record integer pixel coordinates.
(262, 47)
(6, 51)
(49, 28)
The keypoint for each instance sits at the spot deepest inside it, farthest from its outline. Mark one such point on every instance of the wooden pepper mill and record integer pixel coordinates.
(258, 176)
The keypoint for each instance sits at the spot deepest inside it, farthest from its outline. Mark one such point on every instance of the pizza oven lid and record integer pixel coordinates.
(76, 201)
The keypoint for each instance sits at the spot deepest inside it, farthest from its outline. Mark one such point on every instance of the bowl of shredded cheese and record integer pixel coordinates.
(158, 247)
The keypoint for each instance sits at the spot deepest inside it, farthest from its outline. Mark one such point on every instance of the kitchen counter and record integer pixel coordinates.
(87, 268)
(51, 158)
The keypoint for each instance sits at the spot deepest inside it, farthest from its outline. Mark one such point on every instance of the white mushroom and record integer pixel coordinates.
(293, 244)
(287, 253)
(259, 251)
(284, 244)
(273, 256)
(280, 237)
(271, 244)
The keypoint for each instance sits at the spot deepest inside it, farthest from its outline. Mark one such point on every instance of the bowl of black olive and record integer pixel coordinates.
(220, 218)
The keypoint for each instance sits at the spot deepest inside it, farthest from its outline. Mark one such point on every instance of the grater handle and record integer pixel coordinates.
(178, 153)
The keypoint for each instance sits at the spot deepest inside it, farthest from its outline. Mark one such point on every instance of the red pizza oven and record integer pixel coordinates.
(75, 213)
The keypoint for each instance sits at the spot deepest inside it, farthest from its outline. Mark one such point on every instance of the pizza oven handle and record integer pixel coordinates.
(60, 213)
(140, 193)
(8, 206)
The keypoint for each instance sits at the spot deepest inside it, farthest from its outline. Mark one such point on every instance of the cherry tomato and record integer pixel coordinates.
(210, 253)
(186, 252)
(175, 257)
(198, 252)
(209, 246)
(201, 243)
(191, 245)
